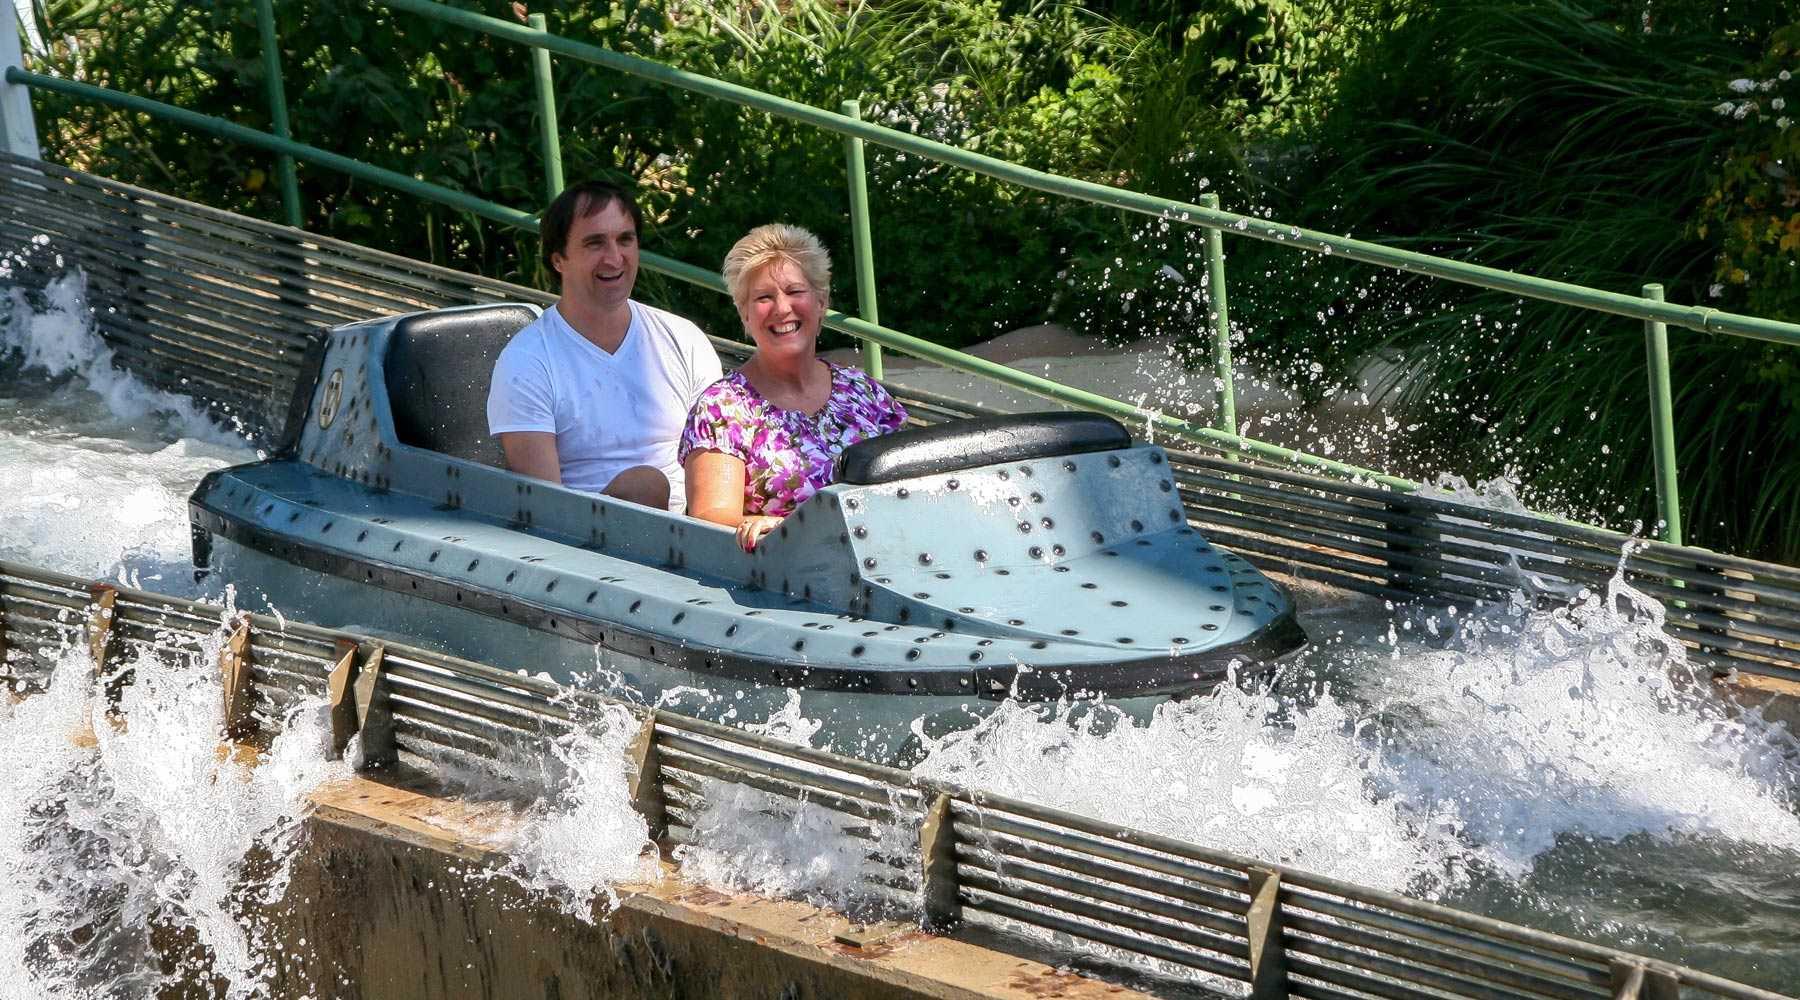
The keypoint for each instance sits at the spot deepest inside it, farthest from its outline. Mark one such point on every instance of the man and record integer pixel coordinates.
(593, 395)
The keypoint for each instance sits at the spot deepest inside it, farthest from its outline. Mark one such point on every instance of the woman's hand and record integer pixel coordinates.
(751, 529)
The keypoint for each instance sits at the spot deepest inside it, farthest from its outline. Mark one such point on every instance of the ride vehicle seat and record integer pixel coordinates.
(966, 444)
(439, 365)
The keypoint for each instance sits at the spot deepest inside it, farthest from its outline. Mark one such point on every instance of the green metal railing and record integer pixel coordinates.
(1651, 309)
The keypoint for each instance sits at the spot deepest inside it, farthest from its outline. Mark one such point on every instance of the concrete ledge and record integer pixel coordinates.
(397, 895)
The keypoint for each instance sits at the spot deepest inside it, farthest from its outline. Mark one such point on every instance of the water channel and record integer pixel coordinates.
(1562, 769)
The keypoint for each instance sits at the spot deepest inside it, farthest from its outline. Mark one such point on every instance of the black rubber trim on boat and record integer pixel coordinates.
(1171, 677)
(966, 444)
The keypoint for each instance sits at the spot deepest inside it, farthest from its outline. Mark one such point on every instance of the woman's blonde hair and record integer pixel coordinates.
(771, 244)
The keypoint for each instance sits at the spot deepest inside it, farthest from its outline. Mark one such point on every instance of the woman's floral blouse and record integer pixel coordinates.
(787, 454)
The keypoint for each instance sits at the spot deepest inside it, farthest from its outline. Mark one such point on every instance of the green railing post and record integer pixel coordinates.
(278, 114)
(1221, 322)
(546, 98)
(1662, 422)
(859, 239)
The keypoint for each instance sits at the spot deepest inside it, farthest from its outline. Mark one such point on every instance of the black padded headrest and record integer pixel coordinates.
(439, 365)
(977, 441)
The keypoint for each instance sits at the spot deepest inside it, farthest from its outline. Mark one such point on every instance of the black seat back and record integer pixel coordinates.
(439, 365)
(977, 441)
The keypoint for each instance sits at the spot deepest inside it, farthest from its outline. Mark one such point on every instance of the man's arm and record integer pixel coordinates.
(532, 453)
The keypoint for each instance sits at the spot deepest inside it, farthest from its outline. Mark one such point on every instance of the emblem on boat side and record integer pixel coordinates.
(334, 392)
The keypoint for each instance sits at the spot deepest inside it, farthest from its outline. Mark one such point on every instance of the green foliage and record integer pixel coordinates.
(1576, 140)
(1134, 99)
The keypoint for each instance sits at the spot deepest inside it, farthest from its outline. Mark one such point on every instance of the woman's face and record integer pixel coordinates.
(781, 312)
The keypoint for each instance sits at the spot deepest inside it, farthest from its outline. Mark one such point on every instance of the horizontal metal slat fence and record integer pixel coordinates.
(998, 861)
(232, 336)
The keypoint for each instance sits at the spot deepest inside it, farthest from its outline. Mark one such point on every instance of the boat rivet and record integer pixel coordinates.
(903, 493)
(1175, 515)
(1015, 621)
(1118, 604)
(1155, 458)
(1048, 524)
(1026, 469)
(433, 558)
(952, 484)
(975, 656)
(1037, 552)
(1210, 627)
(912, 654)
(1060, 569)
(1003, 572)
(981, 555)
(550, 587)
(799, 644)
(868, 564)
(1057, 550)
(1024, 527)
(857, 650)
(591, 595)
(1004, 475)
(1012, 501)
(1071, 631)
(1037, 498)
(905, 614)
(924, 558)
(1069, 466)
(1165, 486)
(1137, 525)
(1123, 640)
(679, 615)
(1215, 607)
(912, 682)
(1179, 640)
(1112, 460)
(861, 532)
(923, 596)
(634, 606)
(731, 630)
(361, 535)
(1040, 644)
(509, 576)
(852, 503)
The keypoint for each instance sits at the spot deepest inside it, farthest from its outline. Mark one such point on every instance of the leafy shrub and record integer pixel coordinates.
(1576, 140)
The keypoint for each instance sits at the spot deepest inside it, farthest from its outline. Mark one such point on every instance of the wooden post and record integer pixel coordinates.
(937, 854)
(234, 676)
(1634, 979)
(343, 701)
(1268, 961)
(376, 718)
(99, 624)
(644, 780)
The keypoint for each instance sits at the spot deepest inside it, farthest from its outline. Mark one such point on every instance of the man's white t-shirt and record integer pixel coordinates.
(609, 412)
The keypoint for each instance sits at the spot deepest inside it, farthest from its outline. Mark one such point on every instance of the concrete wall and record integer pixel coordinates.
(394, 897)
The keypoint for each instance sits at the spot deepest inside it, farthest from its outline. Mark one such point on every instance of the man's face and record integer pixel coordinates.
(599, 263)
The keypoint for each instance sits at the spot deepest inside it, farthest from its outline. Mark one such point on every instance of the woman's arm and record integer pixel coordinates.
(715, 492)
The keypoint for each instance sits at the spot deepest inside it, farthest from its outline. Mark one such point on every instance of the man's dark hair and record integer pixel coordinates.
(580, 201)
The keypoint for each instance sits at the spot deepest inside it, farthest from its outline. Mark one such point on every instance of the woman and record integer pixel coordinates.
(762, 440)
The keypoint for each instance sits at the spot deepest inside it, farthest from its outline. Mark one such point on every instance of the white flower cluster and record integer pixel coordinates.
(1744, 108)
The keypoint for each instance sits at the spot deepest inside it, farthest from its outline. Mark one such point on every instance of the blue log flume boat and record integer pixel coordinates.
(1040, 557)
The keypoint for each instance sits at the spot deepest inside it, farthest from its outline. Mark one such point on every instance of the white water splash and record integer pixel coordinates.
(584, 838)
(57, 335)
(88, 490)
(1583, 720)
(152, 831)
